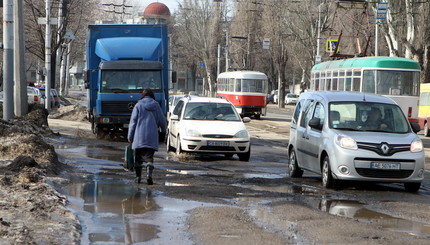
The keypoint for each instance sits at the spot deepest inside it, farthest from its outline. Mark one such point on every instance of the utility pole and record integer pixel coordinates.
(8, 59)
(21, 102)
(48, 55)
(58, 56)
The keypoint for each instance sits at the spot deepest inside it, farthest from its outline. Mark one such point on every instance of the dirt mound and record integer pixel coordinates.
(31, 210)
(70, 112)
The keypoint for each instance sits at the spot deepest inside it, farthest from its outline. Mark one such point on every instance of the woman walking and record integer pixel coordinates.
(146, 120)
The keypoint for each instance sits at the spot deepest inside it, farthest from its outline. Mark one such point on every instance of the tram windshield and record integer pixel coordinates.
(251, 85)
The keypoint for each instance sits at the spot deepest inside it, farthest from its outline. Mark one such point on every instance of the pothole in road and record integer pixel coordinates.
(317, 199)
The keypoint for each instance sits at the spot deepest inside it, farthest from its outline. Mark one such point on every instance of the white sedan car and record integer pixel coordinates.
(208, 125)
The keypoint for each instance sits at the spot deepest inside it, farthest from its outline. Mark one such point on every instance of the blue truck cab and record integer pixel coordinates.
(122, 60)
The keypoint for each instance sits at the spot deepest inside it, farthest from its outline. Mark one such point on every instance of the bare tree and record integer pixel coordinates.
(76, 15)
(198, 21)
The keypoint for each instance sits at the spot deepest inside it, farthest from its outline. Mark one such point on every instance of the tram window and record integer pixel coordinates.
(237, 85)
(356, 84)
(335, 74)
(368, 82)
(334, 84)
(231, 85)
(424, 99)
(348, 84)
(322, 84)
(357, 73)
(328, 84)
(341, 84)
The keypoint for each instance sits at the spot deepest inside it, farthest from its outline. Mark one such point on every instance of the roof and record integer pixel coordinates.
(157, 9)
(243, 74)
(370, 62)
(339, 96)
(208, 100)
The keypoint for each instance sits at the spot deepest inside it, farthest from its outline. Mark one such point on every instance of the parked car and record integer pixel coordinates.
(332, 134)
(291, 99)
(209, 126)
(276, 95)
(34, 95)
(54, 94)
(54, 99)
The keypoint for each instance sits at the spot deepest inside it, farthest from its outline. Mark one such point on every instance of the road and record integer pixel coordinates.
(216, 200)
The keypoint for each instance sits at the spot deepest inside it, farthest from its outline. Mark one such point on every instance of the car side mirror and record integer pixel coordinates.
(174, 117)
(415, 127)
(315, 123)
(246, 119)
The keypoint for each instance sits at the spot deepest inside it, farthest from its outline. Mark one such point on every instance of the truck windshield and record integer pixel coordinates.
(126, 81)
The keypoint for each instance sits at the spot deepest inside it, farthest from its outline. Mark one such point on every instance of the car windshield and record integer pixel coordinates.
(365, 116)
(210, 111)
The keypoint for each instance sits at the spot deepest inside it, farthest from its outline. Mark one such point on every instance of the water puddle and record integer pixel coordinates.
(317, 199)
(113, 209)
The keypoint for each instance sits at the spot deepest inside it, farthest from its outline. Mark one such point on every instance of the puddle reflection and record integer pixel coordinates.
(112, 211)
(356, 210)
(318, 199)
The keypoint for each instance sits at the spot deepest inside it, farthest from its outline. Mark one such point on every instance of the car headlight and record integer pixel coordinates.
(241, 134)
(192, 132)
(417, 146)
(346, 142)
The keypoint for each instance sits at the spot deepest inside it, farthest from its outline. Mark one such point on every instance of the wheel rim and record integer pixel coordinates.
(178, 146)
(325, 173)
(292, 165)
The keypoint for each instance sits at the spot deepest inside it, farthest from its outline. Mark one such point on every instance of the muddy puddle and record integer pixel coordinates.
(113, 209)
(315, 198)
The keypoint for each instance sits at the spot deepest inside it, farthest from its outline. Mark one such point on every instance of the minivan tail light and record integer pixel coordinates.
(36, 98)
(410, 112)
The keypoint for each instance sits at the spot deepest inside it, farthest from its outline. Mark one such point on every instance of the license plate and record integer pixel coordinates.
(218, 143)
(125, 125)
(385, 165)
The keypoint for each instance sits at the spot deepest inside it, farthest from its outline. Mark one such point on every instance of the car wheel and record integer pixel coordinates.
(412, 187)
(228, 155)
(426, 130)
(327, 177)
(244, 157)
(169, 146)
(293, 168)
(178, 145)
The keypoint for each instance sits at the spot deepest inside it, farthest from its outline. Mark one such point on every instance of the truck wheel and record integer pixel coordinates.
(426, 130)
(100, 134)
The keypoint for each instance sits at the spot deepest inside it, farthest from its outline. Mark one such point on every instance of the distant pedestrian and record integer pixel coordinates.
(146, 120)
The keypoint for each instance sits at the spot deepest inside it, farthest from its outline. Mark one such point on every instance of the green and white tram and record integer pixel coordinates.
(394, 77)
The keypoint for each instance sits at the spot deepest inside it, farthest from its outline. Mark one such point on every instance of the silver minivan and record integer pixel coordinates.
(354, 136)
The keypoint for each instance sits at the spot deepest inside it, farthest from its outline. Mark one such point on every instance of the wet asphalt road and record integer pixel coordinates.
(115, 210)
